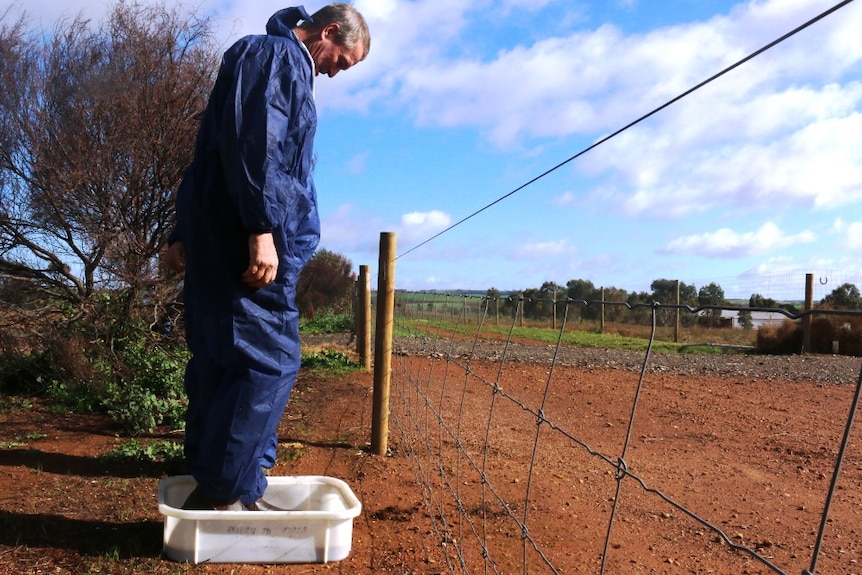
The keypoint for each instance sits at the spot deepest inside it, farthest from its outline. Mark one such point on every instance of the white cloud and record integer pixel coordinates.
(565, 199)
(540, 251)
(563, 77)
(347, 229)
(764, 133)
(419, 226)
(801, 146)
(376, 10)
(726, 243)
(852, 236)
(434, 219)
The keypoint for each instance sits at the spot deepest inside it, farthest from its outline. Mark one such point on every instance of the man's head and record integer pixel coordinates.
(337, 37)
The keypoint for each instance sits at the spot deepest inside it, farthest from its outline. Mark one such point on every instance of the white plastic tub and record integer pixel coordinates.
(318, 527)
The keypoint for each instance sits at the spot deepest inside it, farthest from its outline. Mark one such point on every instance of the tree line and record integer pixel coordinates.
(540, 303)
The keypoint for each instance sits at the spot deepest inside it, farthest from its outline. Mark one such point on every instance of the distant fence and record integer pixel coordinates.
(531, 461)
(673, 320)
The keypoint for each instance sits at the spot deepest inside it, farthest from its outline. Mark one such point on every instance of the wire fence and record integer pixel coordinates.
(532, 459)
(787, 285)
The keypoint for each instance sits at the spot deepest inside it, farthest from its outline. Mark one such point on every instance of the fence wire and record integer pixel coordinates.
(514, 470)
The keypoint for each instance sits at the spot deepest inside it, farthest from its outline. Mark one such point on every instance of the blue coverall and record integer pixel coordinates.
(251, 173)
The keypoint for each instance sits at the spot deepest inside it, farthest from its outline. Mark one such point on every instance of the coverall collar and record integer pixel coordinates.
(283, 22)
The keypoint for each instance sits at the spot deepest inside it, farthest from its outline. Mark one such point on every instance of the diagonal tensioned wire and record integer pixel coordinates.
(622, 460)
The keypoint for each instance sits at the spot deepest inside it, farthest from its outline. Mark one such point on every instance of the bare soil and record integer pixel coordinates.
(752, 448)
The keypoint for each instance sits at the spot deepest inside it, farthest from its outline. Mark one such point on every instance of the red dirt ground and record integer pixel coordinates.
(64, 510)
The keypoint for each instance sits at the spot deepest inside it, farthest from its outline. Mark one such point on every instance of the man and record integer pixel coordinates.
(247, 223)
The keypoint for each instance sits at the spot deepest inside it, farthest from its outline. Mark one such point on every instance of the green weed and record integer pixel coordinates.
(13, 402)
(288, 452)
(12, 444)
(330, 360)
(328, 323)
(149, 451)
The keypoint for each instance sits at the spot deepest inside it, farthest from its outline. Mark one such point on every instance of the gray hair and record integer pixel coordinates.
(353, 28)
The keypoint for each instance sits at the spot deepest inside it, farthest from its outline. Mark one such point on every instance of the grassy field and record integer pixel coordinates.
(694, 339)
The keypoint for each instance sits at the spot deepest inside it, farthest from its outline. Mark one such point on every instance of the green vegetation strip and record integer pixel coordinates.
(551, 336)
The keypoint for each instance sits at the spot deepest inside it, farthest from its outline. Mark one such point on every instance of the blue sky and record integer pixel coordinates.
(461, 102)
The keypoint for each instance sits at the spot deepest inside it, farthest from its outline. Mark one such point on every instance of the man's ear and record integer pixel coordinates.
(331, 31)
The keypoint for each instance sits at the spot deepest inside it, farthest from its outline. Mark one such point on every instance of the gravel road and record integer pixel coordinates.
(819, 368)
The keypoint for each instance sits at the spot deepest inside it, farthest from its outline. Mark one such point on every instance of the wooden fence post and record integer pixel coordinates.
(808, 319)
(676, 323)
(602, 305)
(383, 344)
(363, 317)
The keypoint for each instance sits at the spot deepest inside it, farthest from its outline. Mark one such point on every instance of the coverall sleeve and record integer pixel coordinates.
(261, 137)
(308, 228)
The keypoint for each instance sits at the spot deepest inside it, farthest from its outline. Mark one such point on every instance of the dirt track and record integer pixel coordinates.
(747, 442)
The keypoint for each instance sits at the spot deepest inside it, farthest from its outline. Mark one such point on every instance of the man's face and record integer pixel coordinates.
(330, 58)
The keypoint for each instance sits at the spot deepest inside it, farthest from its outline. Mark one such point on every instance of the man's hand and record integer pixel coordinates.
(175, 257)
(262, 261)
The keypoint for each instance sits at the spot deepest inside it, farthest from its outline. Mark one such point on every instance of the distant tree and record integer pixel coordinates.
(711, 294)
(493, 295)
(845, 296)
(757, 300)
(510, 305)
(639, 313)
(615, 313)
(536, 304)
(552, 293)
(552, 290)
(579, 289)
(745, 319)
(664, 291)
(326, 283)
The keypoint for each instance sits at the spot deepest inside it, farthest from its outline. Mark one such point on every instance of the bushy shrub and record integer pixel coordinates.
(327, 322)
(139, 385)
(787, 338)
(782, 339)
(24, 373)
(150, 392)
(846, 330)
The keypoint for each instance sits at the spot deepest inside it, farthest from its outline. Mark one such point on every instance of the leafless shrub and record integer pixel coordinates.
(96, 129)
